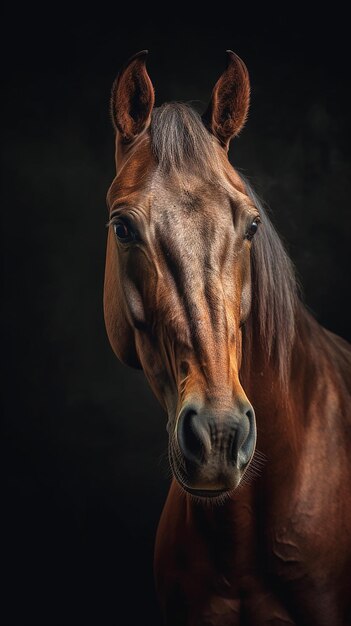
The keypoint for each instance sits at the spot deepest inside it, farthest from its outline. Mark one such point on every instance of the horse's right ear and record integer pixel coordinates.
(132, 98)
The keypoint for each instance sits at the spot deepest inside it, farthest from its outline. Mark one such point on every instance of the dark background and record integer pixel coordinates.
(84, 472)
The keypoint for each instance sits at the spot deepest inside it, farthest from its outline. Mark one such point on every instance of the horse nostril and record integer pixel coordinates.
(250, 415)
(233, 447)
(191, 436)
(247, 440)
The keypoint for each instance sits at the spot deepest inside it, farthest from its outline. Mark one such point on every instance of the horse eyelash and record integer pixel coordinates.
(110, 222)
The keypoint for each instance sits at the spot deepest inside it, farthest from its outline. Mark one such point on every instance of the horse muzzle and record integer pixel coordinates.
(212, 448)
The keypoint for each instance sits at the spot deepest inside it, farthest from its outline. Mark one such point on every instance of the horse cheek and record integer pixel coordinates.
(118, 328)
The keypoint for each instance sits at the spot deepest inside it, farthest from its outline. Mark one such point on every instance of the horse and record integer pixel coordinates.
(200, 294)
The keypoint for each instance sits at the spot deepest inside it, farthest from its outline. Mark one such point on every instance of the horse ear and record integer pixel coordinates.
(227, 112)
(132, 98)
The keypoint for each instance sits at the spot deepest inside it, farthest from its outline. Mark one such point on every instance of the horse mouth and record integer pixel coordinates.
(215, 494)
(206, 493)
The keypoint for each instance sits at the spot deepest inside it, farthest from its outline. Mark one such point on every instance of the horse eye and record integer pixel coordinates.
(253, 229)
(123, 231)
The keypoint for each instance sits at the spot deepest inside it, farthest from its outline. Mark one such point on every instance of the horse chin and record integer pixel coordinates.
(204, 491)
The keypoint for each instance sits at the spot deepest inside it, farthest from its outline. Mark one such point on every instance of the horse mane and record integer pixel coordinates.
(181, 144)
(275, 297)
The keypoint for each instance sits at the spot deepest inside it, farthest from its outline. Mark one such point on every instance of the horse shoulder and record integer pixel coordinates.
(307, 525)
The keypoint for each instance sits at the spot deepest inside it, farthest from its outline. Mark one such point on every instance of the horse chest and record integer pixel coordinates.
(219, 570)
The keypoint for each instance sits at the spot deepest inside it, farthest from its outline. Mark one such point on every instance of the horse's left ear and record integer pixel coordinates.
(132, 98)
(227, 112)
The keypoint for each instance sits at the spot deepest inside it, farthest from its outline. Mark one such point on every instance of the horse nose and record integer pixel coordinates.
(204, 435)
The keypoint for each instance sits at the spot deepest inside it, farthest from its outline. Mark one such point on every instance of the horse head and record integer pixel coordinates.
(178, 286)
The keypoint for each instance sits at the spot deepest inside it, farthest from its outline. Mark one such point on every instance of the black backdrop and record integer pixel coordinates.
(83, 441)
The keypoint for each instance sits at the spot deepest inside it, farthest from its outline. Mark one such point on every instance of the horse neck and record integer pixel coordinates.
(282, 410)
